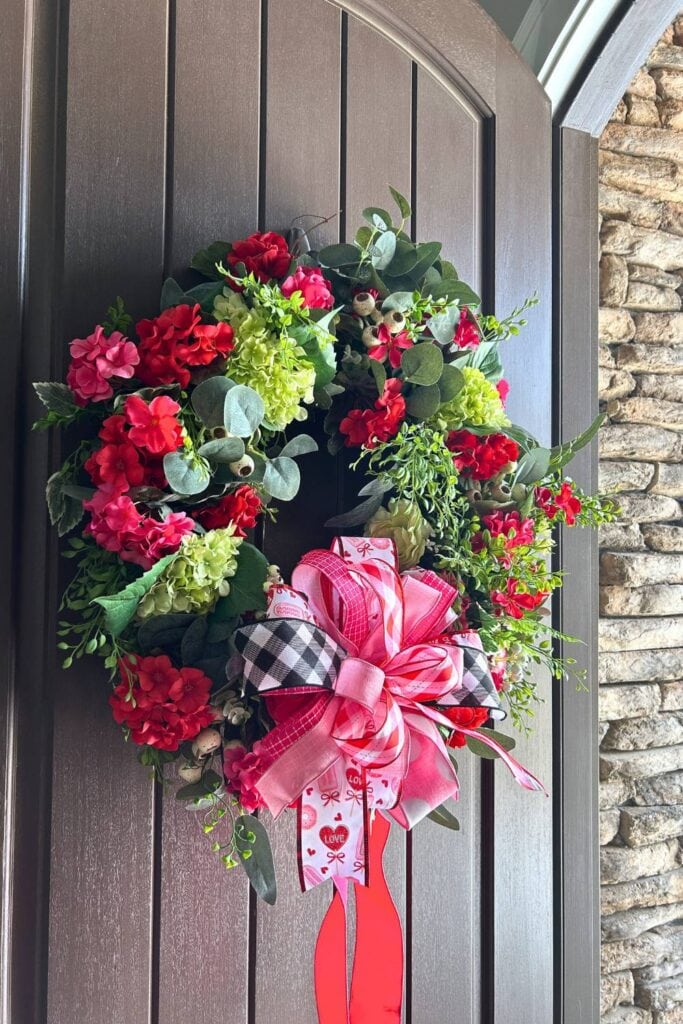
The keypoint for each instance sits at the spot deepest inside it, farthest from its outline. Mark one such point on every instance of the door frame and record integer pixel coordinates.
(577, 126)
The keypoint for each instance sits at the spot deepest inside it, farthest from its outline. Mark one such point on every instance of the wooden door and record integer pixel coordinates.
(158, 127)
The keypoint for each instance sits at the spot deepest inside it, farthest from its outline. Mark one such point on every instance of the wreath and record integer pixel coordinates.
(345, 693)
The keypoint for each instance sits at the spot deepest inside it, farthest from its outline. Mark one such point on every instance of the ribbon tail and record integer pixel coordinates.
(377, 981)
(331, 993)
(518, 771)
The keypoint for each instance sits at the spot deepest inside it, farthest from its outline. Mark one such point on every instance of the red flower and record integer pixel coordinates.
(116, 465)
(97, 358)
(514, 602)
(160, 361)
(113, 430)
(517, 531)
(242, 769)
(116, 525)
(390, 345)
(264, 255)
(209, 342)
(241, 507)
(470, 718)
(481, 457)
(161, 705)
(466, 333)
(315, 289)
(563, 501)
(154, 426)
(370, 427)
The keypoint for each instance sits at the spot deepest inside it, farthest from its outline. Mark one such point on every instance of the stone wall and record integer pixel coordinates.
(641, 576)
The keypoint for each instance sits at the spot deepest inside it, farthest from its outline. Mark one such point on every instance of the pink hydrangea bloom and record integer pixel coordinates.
(117, 525)
(242, 769)
(95, 360)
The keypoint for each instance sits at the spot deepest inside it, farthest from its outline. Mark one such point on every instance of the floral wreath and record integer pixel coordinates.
(344, 694)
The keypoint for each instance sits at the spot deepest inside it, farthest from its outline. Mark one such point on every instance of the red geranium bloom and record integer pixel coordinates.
(517, 531)
(470, 718)
(370, 427)
(117, 465)
(209, 342)
(241, 508)
(466, 333)
(113, 430)
(242, 769)
(160, 359)
(481, 457)
(154, 427)
(315, 289)
(263, 254)
(563, 501)
(514, 602)
(116, 525)
(390, 346)
(161, 705)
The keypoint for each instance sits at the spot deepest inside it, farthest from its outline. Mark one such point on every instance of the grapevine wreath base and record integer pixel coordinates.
(345, 694)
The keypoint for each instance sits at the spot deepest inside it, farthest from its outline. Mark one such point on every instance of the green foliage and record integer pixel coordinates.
(255, 856)
(442, 816)
(206, 260)
(116, 318)
(119, 608)
(247, 592)
(187, 473)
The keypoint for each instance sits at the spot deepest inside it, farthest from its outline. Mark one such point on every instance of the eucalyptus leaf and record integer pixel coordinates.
(205, 294)
(255, 856)
(400, 301)
(422, 364)
(405, 258)
(481, 749)
(377, 485)
(442, 816)
(401, 202)
(243, 411)
(451, 382)
(208, 400)
(423, 402)
(363, 236)
(223, 450)
(186, 472)
(378, 217)
(379, 373)
(455, 291)
(119, 609)
(427, 253)
(382, 250)
(339, 255)
(442, 325)
(302, 444)
(281, 478)
(356, 516)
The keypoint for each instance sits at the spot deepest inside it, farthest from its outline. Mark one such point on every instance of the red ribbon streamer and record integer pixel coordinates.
(377, 981)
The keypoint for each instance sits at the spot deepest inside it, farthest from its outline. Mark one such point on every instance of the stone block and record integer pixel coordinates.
(659, 328)
(615, 325)
(641, 764)
(672, 218)
(658, 385)
(651, 297)
(640, 111)
(616, 204)
(631, 701)
(623, 864)
(635, 666)
(613, 280)
(619, 113)
(674, 1016)
(644, 176)
(663, 538)
(627, 1015)
(652, 891)
(629, 924)
(642, 84)
(639, 570)
(666, 994)
(652, 275)
(664, 56)
(670, 114)
(614, 791)
(641, 442)
(659, 791)
(672, 699)
(614, 384)
(649, 948)
(641, 141)
(655, 600)
(625, 476)
(652, 411)
(608, 825)
(613, 537)
(650, 358)
(642, 825)
(668, 969)
(668, 479)
(605, 356)
(663, 730)
(668, 83)
(615, 989)
(640, 634)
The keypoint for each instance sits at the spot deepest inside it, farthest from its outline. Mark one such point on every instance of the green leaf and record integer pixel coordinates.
(65, 511)
(405, 258)
(120, 608)
(223, 450)
(56, 397)
(455, 291)
(424, 402)
(243, 411)
(400, 301)
(564, 453)
(382, 250)
(422, 364)
(507, 742)
(442, 816)
(376, 485)
(302, 444)
(206, 259)
(193, 641)
(259, 865)
(356, 516)
(320, 353)
(208, 400)
(427, 253)
(246, 586)
(204, 294)
(522, 436)
(171, 294)
(282, 478)
(442, 325)
(379, 373)
(448, 271)
(533, 466)
(451, 381)
(482, 750)
(486, 357)
(363, 236)
(378, 217)
(401, 202)
(186, 472)
(339, 255)
(209, 784)
(164, 630)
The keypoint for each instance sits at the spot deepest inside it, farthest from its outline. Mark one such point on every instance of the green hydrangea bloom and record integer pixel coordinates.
(477, 404)
(270, 363)
(198, 575)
